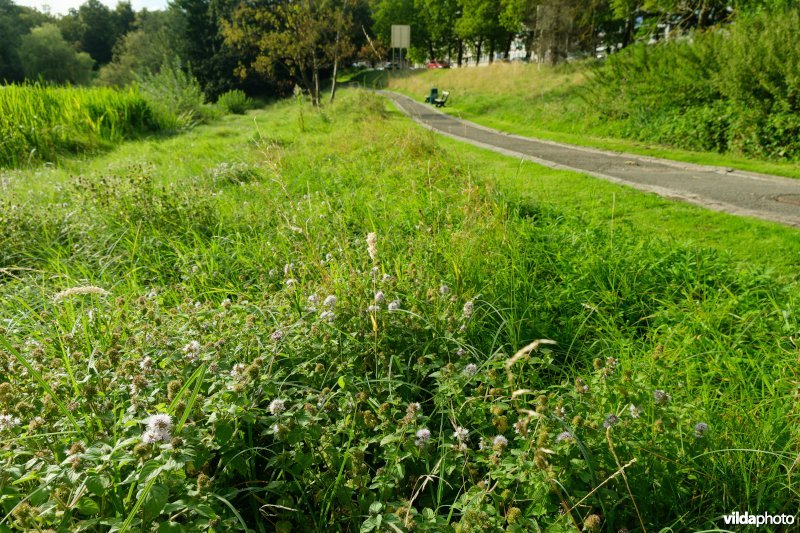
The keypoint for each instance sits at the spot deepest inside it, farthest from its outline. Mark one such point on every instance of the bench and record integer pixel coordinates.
(433, 96)
(439, 102)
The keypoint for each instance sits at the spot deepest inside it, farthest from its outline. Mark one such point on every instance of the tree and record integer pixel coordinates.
(213, 61)
(441, 18)
(293, 37)
(95, 29)
(156, 40)
(46, 55)
(480, 23)
(99, 33)
(15, 21)
(386, 13)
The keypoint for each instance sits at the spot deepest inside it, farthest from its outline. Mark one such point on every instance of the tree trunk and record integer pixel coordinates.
(478, 47)
(315, 91)
(529, 42)
(460, 52)
(335, 61)
(333, 81)
(627, 37)
(491, 51)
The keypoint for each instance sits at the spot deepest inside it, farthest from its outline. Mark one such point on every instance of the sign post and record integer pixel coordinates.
(401, 38)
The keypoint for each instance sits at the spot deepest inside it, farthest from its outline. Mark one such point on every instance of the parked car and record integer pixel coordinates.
(438, 64)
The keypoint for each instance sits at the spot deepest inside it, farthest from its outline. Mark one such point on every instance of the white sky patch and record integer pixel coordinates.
(61, 7)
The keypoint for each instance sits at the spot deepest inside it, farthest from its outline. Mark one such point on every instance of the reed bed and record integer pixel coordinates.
(40, 123)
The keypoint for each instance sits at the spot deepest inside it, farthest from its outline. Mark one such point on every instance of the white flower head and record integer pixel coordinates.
(238, 370)
(330, 301)
(277, 406)
(471, 369)
(564, 435)
(468, 309)
(191, 350)
(394, 305)
(159, 422)
(380, 297)
(461, 434)
(373, 308)
(152, 437)
(327, 315)
(444, 290)
(8, 421)
(423, 436)
(312, 299)
(499, 443)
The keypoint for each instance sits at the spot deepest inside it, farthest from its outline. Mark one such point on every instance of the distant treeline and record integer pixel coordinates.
(267, 48)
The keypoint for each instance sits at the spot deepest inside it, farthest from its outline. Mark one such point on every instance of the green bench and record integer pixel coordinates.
(439, 102)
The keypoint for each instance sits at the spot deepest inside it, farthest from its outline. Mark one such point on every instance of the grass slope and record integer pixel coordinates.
(550, 104)
(316, 377)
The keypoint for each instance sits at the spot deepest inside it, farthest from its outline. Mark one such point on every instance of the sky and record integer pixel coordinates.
(60, 7)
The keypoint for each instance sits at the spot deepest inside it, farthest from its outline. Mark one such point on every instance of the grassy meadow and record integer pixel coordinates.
(299, 320)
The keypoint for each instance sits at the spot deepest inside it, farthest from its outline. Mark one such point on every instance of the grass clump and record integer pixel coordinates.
(40, 123)
(235, 101)
(336, 332)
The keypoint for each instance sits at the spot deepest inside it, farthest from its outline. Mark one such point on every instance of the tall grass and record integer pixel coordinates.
(39, 123)
(292, 411)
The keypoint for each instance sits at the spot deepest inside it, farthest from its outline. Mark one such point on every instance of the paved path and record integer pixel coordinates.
(732, 191)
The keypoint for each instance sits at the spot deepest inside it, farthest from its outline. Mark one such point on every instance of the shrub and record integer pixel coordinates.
(235, 102)
(731, 89)
(176, 93)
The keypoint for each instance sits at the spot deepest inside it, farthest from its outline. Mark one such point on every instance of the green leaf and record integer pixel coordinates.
(97, 485)
(155, 500)
(223, 432)
(370, 524)
(87, 506)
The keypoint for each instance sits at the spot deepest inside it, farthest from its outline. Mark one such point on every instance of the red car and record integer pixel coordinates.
(438, 64)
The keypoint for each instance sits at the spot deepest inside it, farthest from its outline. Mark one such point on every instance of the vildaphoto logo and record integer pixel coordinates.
(765, 519)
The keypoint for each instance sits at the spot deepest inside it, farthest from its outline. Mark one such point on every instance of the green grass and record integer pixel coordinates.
(290, 411)
(40, 124)
(549, 104)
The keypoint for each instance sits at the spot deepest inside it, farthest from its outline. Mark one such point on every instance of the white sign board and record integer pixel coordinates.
(401, 36)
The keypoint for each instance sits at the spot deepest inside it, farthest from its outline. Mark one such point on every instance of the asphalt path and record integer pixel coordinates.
(737, 192)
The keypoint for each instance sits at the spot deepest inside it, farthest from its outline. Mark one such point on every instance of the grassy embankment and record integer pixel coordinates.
(727, 99)
(549, 104)
(220, 250)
